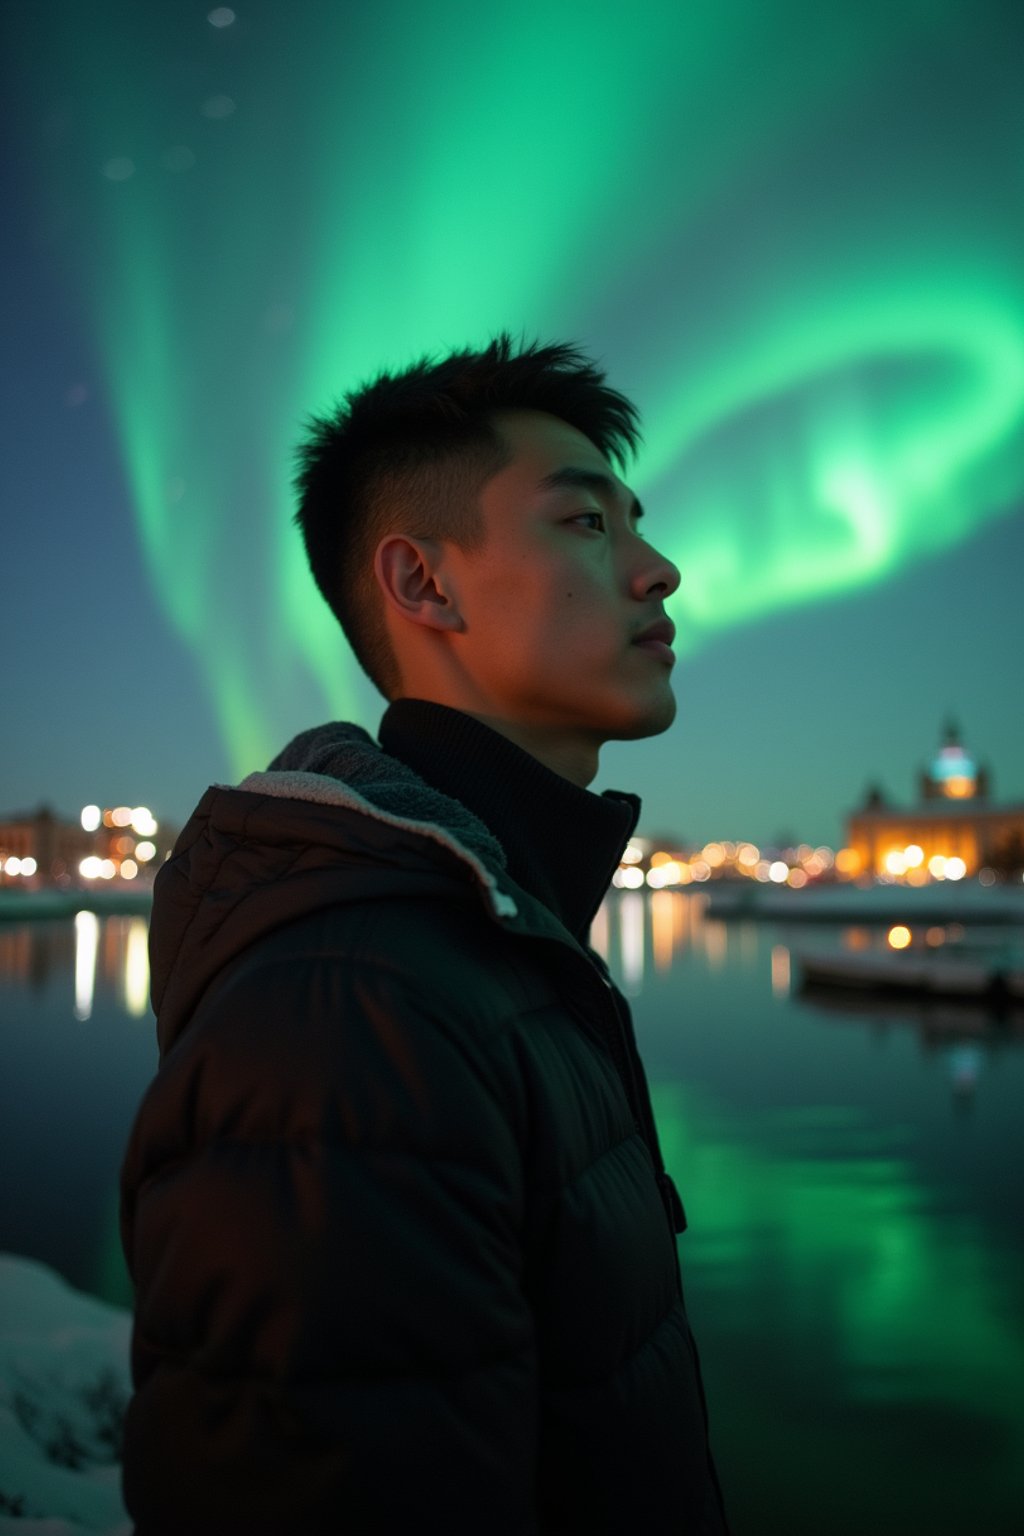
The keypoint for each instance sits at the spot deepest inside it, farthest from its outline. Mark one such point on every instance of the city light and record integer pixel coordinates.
(959, 788)
(663, 874)
(898, 937)
(92, 816)
(145, 851)
(955, 869)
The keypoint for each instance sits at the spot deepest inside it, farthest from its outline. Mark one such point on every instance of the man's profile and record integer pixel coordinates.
(403, 1242)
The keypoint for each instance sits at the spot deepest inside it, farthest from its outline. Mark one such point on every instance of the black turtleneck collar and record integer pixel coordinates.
(562, 843)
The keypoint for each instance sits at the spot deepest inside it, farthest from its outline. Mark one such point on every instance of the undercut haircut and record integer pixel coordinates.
(410, 451)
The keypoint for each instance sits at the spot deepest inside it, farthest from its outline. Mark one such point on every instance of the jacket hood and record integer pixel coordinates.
(334, 819)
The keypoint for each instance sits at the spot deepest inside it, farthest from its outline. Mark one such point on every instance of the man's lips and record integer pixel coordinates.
(657, 638)
(657, 648)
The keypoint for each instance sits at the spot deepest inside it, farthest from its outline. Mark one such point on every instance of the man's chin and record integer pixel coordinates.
(651, 719)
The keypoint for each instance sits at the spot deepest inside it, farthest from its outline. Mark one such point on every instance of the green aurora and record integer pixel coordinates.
(792, 233)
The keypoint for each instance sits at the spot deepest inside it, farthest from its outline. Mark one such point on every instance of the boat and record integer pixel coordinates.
(940, 901)
(995, 975)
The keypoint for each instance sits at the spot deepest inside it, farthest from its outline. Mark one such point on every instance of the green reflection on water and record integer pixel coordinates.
(855, 1333)
(110, 1279)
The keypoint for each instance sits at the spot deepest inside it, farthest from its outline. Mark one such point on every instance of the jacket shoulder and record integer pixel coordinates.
(443, 950)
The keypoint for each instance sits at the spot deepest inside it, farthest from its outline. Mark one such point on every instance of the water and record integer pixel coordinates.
(855, 1260)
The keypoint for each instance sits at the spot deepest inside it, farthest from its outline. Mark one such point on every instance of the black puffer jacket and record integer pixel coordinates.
(392, 1202)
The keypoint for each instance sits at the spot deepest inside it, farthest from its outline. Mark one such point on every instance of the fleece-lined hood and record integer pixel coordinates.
(334, 819)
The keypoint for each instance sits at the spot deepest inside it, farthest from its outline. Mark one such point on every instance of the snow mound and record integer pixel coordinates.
(64, 1384)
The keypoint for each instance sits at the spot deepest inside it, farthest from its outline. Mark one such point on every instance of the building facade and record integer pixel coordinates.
(41, 850)
(954, 819)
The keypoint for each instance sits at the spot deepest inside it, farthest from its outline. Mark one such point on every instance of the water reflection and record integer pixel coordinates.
(633, 928)
(965, 1063)
(781, 971)
(882, 1305)
(631, 942)
(136, 968)
(676, 923)
(111, 953)
(964, 1035)
(854, 1261)
(87, 938)
(34, 953)
(663, 929)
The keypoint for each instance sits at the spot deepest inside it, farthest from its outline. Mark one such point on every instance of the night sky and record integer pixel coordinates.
(792, 232)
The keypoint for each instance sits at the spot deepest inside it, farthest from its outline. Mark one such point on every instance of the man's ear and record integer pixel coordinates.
(409, 573)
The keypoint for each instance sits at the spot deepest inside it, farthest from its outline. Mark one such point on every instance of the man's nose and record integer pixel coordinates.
(656, 574)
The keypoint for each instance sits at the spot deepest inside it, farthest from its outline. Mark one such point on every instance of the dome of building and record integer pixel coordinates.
(953, 773)
(953, 763)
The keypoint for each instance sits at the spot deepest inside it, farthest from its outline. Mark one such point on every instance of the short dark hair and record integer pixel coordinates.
(411, 450)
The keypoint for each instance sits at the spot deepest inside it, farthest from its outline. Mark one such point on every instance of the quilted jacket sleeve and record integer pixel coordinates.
(322, 1210)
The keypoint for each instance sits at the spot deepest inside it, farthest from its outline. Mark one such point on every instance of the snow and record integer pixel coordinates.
(64, 1383)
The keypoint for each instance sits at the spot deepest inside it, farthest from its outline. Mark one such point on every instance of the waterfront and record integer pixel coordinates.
(855, 1259)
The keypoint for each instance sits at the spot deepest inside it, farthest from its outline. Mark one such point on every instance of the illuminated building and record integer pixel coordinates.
(953, 823)
(39, 849)
(53, 848)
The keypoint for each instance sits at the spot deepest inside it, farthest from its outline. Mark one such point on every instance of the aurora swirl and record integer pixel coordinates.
(791, 234)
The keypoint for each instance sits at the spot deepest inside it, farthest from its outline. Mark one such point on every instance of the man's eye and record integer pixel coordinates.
(597, 516)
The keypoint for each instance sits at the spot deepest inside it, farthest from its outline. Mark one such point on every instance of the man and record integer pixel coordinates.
(402, 1238)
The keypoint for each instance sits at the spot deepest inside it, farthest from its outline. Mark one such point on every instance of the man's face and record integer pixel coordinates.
(553, 601)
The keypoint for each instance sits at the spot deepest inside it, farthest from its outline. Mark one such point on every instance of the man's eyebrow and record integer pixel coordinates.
(588, 480)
